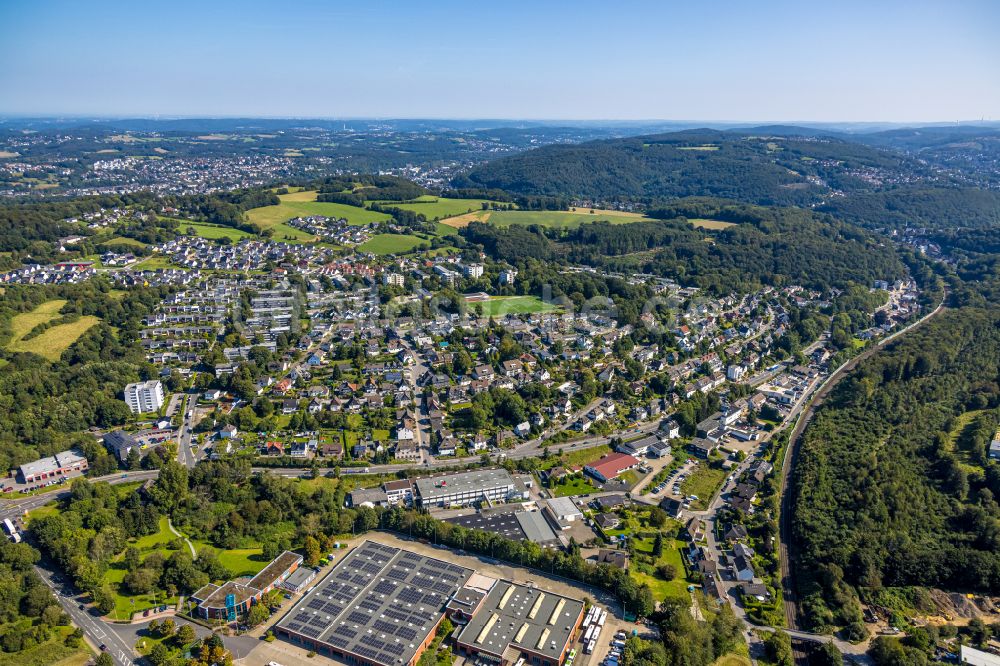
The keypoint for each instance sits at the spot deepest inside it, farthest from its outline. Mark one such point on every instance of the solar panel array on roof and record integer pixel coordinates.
(380, 603)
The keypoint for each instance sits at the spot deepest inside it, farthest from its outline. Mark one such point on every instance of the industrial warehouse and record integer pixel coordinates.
(514, 623)
(381, 606)
(445, 490)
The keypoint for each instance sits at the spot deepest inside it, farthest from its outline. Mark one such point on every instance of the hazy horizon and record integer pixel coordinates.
(899, 62)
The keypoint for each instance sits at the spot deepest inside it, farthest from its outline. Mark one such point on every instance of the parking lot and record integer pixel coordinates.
(671, 486)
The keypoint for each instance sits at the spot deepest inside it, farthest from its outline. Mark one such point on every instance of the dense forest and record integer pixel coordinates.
(936, 209)
(772, 246)
(893, 486)
(48, 407)
(754, 168)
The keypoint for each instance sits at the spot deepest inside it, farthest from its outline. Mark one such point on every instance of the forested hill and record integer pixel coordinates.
(765, 168)
(931, 208)
(773, 246)
(893, 485)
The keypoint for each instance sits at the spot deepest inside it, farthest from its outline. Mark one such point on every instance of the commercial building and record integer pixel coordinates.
(233, 598)
(62, 465)
(144, 397)
(465, 488)
(563, 510)
(610, 466)
(380, 606)
(514, 622)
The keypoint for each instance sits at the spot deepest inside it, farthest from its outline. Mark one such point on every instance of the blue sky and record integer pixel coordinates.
(752, 60)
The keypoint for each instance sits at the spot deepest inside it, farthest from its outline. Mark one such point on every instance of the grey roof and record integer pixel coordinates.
(564, 506)
(525, 617)
(503, 523)
(374, 495)
(119, 443)
(535, 527)
(435, 487)
(379, 603)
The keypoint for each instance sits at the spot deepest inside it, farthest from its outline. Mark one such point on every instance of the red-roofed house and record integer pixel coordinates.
(610, 466)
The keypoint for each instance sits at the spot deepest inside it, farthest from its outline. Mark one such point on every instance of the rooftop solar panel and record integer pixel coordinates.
(357, 617)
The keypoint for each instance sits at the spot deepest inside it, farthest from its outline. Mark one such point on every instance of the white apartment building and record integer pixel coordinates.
(144, 396)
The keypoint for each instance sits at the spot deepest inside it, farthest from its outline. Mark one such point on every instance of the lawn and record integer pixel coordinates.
(52, 342)
(243, 561)
(211, 231)
(702, 223)
(703, 482)
(575, 485)
(391, 244)
(304, 203)
(157, 540)
(435, 208)
(498, 306)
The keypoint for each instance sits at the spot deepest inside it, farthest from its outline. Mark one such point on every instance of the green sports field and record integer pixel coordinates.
(390, 244)
(502, 305)
(299, 204)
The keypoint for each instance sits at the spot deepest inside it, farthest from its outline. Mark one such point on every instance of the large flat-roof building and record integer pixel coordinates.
(63, 465)
(380, 606)
(465, 488)
(514, 622)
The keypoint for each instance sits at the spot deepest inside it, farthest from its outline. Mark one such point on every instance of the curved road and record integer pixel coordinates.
(788, 464)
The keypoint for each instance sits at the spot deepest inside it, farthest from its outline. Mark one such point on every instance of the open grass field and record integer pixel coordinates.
(703, 482)
(6, 154)
(676, 588)
(122, 240)
(154, 262)
(700, 223)
(558, 219)
(435, 208)
(390, 244)
(962, 422)
(498, 306)
(298, 204)
(210, 231)
(52, 652)
(53, 342)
